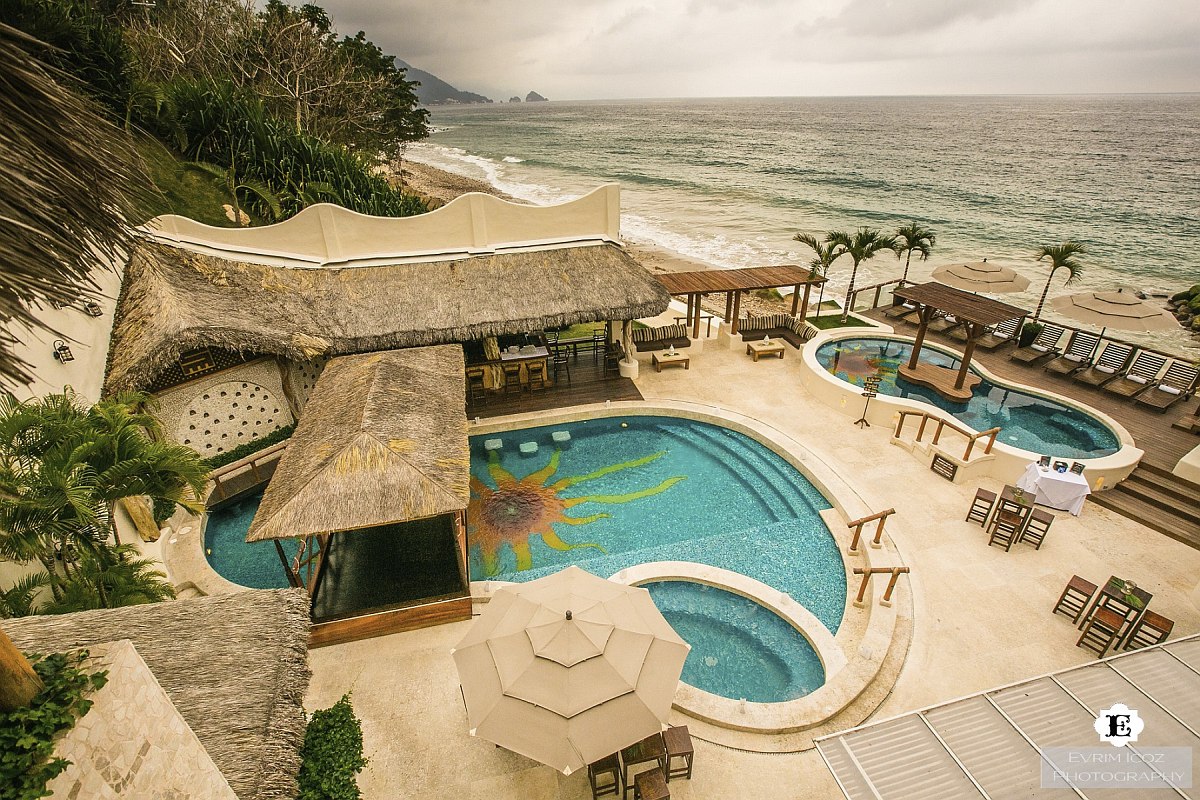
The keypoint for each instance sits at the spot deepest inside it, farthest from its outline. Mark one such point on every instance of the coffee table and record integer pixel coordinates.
(667, 359)
(764, 348)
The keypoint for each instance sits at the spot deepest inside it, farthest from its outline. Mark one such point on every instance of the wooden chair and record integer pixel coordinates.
(900, 310)
(536, 371)
(1044, 346)
(1036, 528)
(599, 339)
(612, 361)
(1000, 334)
(1113, 359)
(1150, 629)
(1005, 528)
(1101, 631)
(1077, 355)
(607, 767)
(1140, 376)
(650, 749)
(512, 378)
(476, 391)
(560, 358)
(651, 785)
(1075, 598)
(679, 746)
(981, 506)
(1175, 386)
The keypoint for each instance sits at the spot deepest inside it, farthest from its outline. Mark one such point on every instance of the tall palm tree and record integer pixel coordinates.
(1062, 256)
(862, 245)
(825, 254)
(68, 179)
(912, 238)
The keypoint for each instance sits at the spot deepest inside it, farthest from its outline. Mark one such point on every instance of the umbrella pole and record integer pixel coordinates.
(1096, 348)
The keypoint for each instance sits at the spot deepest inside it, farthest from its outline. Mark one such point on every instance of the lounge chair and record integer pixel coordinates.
(1188, 422)
(1139, 377)
(1176, 385)
(999, 334)
(1078, 353)
(1113, 359)
(1044, 346)
(944, 323)
(900, 310)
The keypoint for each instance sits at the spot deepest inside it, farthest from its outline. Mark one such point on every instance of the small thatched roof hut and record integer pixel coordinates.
(234, 666)
(175, 300)
(383, 439)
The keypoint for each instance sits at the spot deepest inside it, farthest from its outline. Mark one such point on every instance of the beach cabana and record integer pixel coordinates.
(974, 311)
(733, 282)
(234, 666)
(374, 488)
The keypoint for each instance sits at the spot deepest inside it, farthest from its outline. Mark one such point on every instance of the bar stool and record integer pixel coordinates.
(599, 339)
(679, 746)
(1101, 631)
(981, 506)
(1150, 629)
(1005, 528)
(1036, 528)
(561, 360)
(650, 749)
(512, 378)
(537, 376)
(651, 785)
(609, 766)
(476, 391)
(1075, 598)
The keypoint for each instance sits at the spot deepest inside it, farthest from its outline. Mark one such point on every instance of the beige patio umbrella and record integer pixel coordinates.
(981, 276)
(1120, 309)
(569, 668)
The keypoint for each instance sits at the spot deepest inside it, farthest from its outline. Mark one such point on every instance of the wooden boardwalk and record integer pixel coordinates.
(587, 385)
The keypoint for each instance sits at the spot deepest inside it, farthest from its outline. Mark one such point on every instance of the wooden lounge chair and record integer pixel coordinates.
(1140, 376)
(1113, 359)
(1077, 355)
(999, 334)
(1176, 385)
(900, 310)
(1044, 346)
(944, 323)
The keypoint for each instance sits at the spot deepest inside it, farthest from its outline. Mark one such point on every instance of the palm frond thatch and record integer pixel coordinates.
(235, 667)
(175, 300)
(383, 439)
(67, 179)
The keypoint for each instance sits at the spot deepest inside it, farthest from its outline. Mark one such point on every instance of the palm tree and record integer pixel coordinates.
(68, 179)
(862, 245)
(825, 254)
(111, 578)
(913, 238)
(1062, 256)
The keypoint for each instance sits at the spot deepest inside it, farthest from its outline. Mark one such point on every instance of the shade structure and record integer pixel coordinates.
(981, 276)
(1121, 310)
(569, 668)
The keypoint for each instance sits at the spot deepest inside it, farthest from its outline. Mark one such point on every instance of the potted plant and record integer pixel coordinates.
(1029, 332)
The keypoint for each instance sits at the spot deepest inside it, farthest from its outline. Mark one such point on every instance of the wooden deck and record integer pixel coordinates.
(1164, 445)
(588, 385)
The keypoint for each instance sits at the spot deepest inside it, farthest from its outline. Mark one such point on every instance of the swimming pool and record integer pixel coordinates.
(614, 492)
(740, 649)
(1028, 422)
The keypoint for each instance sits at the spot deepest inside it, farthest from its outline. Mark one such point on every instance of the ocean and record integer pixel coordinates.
(730, 181)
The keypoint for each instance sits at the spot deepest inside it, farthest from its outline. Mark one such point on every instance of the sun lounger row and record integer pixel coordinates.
(953, 327)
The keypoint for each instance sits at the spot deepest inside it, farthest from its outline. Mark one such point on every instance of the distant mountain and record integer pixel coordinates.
(534, 97)
(434, 91)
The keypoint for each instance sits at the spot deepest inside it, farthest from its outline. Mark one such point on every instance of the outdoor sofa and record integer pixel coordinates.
(793, 330)
(663, 337)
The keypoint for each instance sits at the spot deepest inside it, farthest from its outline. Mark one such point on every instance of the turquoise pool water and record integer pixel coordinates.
(1029, 422)
(740, 649)
(635, 489)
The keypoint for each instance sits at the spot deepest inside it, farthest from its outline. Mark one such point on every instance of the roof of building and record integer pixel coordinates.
(964, 305)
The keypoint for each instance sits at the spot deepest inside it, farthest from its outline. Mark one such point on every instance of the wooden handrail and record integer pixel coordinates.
(877, 288)
(859, 523)
(866, 578)
(942, 424)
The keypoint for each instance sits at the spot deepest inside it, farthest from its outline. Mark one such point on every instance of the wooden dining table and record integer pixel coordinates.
(1112, 596)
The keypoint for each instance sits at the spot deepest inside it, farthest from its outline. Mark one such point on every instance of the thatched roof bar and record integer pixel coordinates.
(383, 440)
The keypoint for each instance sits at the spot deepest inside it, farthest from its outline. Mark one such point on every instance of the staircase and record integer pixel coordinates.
(1159, 500)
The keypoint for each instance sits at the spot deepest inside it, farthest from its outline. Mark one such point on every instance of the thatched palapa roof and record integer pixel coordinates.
(383, 439)
(175, 300)
(234, 666)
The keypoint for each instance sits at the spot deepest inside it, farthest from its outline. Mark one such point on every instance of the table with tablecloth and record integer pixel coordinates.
(1062, 490)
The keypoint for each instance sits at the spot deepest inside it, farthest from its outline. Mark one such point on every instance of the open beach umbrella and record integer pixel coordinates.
(981, 276)
(569, 668)
(1120, 309)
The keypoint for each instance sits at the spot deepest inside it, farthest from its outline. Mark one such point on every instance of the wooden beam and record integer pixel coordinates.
(926, 316)
(796, 298)
(973, 331)
(696, 320)
(737, 309)
(409, 618)
(804, 305)
(728, 305)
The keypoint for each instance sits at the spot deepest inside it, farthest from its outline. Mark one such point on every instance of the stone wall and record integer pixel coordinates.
(133, 743)
(218, 412)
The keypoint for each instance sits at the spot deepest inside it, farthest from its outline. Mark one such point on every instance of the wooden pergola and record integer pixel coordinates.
(732, 282)
(975, 311)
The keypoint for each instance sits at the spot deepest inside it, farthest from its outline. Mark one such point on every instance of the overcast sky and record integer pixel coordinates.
(589, 49)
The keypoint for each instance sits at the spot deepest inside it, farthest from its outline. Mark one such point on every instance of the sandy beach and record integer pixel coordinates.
(441, 187)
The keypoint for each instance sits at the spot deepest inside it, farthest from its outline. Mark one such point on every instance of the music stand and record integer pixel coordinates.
(870, 389)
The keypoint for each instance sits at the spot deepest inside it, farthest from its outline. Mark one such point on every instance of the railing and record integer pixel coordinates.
(708, 318)
(943, 424)
(877, 288)
(859, 523)
(867, 572)
(262, 467)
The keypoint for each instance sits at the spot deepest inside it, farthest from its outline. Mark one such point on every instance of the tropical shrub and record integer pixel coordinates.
(1029, 333)
(332, 754)
(243, 450)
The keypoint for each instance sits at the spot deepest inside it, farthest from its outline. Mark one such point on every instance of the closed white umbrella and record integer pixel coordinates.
(981, 276)
(569, 668)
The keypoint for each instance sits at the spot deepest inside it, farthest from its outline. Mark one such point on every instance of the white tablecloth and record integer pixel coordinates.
(1062, 490)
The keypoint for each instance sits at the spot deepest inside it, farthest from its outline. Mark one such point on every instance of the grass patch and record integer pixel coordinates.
(827, 322)
(581, 330)
(180, 191)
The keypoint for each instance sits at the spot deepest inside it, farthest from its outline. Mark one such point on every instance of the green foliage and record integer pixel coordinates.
(1029, 332)
(332, 754)
(27, 734)
(834, 321)
(243, 450)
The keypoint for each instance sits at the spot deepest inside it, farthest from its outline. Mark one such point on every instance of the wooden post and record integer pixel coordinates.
(879, 530)
(627, 339)
(293, 581)
(972, 337)
(460, 536)
(19, 684)
(804, 304)
(896, 573)
(854, 540)
(926, 316)
(862, 587)
(728, 306)
(795, 299)
(737, 310)
(696, 321)
(921, 429)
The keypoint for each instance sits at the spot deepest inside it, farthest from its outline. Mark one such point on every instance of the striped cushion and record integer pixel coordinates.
(641, 335)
